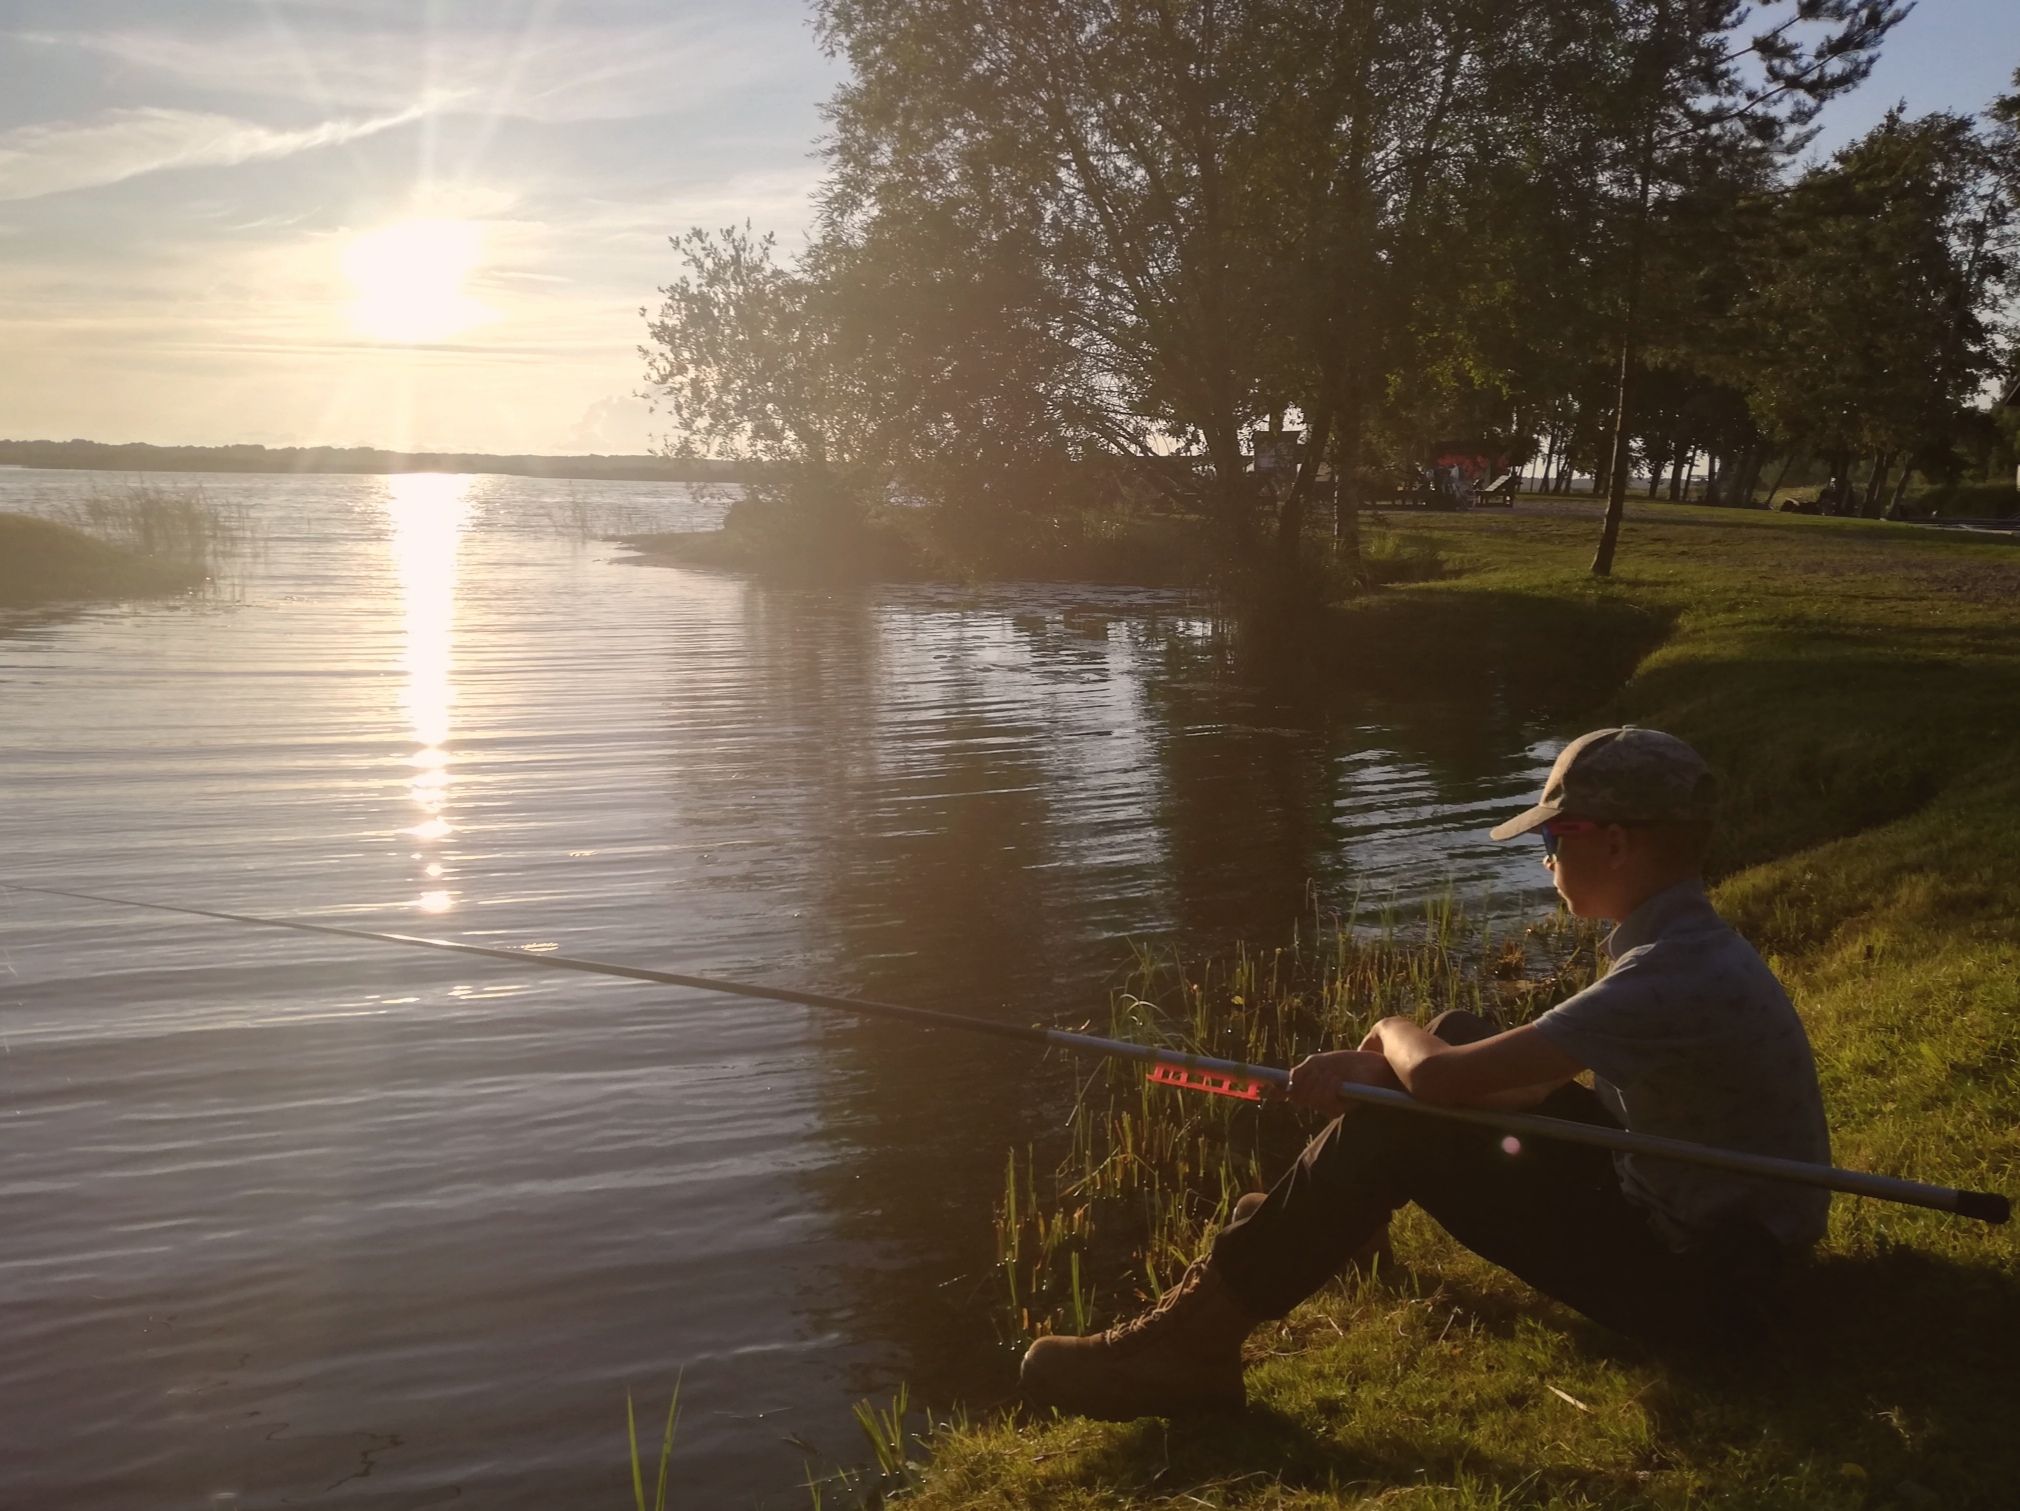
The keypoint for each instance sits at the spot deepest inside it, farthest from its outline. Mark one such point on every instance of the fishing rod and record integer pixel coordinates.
(1170, 1067)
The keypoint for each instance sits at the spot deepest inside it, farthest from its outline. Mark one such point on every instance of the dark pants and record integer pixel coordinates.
(1550, 1212)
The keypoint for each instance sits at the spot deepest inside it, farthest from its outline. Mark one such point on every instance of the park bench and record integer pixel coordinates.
(1501, 491)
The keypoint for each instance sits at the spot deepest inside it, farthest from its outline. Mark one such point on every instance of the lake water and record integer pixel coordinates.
(288, 1219)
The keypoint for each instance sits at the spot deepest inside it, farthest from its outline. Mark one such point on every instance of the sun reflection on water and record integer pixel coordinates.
(428, 512)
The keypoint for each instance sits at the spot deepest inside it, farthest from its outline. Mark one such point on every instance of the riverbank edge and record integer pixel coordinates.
(43, 563)
(1856, 687)
(1114, 549)
(912, 545)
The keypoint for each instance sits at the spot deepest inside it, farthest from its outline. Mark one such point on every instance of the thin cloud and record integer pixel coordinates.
(775, 198)
(49, 158)
(547, 73)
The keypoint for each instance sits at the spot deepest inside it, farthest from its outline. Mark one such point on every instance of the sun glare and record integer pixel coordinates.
(409, 278)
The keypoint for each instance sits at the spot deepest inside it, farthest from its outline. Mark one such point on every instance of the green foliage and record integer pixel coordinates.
(884, 1430)
(1085, 180)
(1874, 290)
(1151, 550)
(752, 360)
(1999, 500)
(1124, 547)
(1152, 1171)
(658, 1501)
(1072, 254)
(894, 1470)
(1858, 687)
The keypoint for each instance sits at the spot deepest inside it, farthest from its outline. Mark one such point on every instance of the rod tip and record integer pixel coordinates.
(1986, 1206)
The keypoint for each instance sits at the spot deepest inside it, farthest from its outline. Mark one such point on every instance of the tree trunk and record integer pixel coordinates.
(1788, 460)
(1616, 489)
(1676, 472)
(1233, 497)
(1900, 492)
(1744, 476)
(1291, 522)
(1347, 480)
(1882, 464)
(1616, 472)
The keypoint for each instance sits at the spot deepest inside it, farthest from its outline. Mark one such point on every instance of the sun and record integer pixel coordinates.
(409, 277)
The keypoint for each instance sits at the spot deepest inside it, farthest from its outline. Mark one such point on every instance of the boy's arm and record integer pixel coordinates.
(1511, 1070)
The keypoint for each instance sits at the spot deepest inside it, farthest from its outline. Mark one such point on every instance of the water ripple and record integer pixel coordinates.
(278, 1206)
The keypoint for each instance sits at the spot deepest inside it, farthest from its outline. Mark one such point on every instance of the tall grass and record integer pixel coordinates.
(1150, 1172)
(895, 1465)
(577, 517)
(658, 1501)
(177, 523)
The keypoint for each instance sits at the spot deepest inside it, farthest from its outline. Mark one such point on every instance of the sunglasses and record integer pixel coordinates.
(1555, 829)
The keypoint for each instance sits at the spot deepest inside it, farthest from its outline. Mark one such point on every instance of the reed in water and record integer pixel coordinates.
(1150, 1172)
(178, 523)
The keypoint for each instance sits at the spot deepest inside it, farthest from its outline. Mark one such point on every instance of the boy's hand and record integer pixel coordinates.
(1316, 1079)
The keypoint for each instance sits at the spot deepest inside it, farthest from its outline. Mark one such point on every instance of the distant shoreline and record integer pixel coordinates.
(99, 456)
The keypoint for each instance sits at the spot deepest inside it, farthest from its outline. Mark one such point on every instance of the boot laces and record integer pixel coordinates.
(1144, 1325)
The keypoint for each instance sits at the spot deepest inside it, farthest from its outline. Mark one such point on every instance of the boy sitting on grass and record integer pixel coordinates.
(1688, 1036)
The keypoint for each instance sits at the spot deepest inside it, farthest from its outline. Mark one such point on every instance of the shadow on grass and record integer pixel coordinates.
(1262, 1448)
(1900, 1364)
(1883, 1381)
(1889, 1370)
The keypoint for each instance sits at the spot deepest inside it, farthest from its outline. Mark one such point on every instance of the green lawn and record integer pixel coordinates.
(1858, 684)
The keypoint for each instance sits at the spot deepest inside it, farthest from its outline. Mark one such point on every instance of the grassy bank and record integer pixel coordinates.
(899, 544)
(1859, 687)
(44, 562)
(1120, 548)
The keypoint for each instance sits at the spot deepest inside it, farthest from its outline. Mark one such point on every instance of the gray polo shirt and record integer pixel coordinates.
(1690, 1036)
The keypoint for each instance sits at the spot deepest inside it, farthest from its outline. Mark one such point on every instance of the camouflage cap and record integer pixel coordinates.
(1623, 776)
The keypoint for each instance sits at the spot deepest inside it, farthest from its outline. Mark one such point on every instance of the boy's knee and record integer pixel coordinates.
(1461, 1027)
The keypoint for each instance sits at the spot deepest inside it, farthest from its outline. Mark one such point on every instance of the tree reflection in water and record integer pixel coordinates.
(1215, 795)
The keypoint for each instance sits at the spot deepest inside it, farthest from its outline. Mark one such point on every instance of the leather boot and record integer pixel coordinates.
(1181, 1356)
(1374, 1257)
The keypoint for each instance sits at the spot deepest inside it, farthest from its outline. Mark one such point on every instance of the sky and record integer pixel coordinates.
(431, 224)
